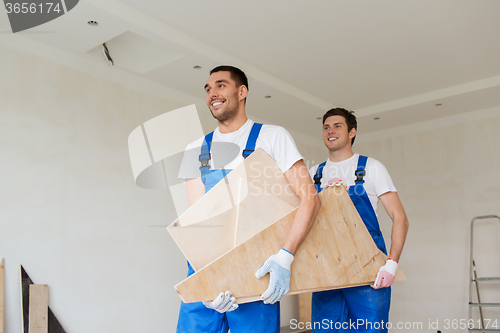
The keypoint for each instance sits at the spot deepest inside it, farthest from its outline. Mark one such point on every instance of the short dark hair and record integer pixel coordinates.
(349, 116)
(237, 74)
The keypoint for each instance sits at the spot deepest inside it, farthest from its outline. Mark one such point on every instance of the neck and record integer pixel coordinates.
(235, 123)
(340, 155)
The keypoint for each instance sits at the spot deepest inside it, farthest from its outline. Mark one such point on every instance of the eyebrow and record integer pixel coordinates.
(333, 124)
(218, 81)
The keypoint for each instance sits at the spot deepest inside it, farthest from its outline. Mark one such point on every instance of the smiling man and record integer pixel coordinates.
(227, 89)
(368, 182)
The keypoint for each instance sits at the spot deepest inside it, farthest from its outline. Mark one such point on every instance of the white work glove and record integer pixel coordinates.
(386, 274)
(222, 303)
(278, 267)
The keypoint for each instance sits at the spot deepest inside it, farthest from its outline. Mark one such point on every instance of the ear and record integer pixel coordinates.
(352, 133)
(243, 91)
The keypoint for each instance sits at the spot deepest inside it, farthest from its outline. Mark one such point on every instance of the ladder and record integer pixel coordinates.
(475, 281)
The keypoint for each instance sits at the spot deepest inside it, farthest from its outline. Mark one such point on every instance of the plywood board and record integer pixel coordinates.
(2, 295)
(305, 307)
(39, 308)
(256, 194)
(54, 325)
(338, 252)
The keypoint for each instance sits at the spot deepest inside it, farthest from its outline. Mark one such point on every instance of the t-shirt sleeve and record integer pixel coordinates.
(382, 181)
(284, 150)
(190, 165)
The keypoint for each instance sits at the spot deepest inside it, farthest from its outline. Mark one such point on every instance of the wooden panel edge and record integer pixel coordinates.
(2, 294)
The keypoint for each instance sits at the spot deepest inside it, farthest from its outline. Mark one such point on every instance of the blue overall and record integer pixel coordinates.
(249, 317)
(342, 309)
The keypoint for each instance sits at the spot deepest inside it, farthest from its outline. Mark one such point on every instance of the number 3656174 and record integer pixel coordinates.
(32, 8)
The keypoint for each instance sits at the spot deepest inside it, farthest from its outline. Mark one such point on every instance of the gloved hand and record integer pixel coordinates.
(386, 274)
(334, 182)
(278, 267)
(222, 303)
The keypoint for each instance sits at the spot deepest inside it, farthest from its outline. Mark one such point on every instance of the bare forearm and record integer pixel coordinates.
(398, 237)
(400, 224)
(298, 178)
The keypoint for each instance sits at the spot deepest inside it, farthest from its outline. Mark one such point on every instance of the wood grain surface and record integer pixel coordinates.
(39, 308)
(338, 252)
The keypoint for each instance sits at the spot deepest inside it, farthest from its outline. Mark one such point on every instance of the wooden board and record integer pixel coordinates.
(53, 324)
(305, 307)
(2, 295)
(256, 194)
(39, 308)
(338, 252)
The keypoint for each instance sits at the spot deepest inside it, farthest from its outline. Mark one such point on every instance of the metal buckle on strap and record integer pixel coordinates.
(359, 175)
(246, 153)
(205, 160)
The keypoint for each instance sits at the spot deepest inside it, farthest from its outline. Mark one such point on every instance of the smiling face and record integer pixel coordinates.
(336, 134)
(224, 98)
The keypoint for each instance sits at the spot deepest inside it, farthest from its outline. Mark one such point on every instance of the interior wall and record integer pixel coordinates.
(446, 173)
(70, 212)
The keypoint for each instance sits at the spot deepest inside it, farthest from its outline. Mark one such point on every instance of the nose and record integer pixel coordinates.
(213, 93)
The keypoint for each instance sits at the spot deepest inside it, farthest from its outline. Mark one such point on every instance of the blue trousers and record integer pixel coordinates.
(356, 309)
(249, 317)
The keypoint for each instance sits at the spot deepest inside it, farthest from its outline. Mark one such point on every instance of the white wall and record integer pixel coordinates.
(70, 212)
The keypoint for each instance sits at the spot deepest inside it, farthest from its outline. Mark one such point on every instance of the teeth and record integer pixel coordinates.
(331, 139)
(216, 103)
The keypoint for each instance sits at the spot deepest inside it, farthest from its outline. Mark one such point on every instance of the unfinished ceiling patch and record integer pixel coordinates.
(136, 53)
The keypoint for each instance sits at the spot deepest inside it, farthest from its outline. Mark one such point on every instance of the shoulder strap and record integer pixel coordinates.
(361, 168)
(205, 155)
(252, 140)
(318, 176)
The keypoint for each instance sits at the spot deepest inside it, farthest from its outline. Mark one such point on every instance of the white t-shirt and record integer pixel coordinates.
(377, 179)
(227, 148)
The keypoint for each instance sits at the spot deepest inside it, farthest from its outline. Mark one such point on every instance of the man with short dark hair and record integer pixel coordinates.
(227, 89)
(368, 182)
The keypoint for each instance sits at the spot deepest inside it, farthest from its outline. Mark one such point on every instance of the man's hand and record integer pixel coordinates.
(222, 303)
(334, 182)
(278, 267)
(386, 274)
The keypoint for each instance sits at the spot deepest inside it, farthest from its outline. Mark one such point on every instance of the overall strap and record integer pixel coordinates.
(205, 155)
(318, 176)
(360, 170)
(358, 189)
(252, 140)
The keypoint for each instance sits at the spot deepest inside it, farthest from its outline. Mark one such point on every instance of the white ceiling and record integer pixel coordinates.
(392, 59)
